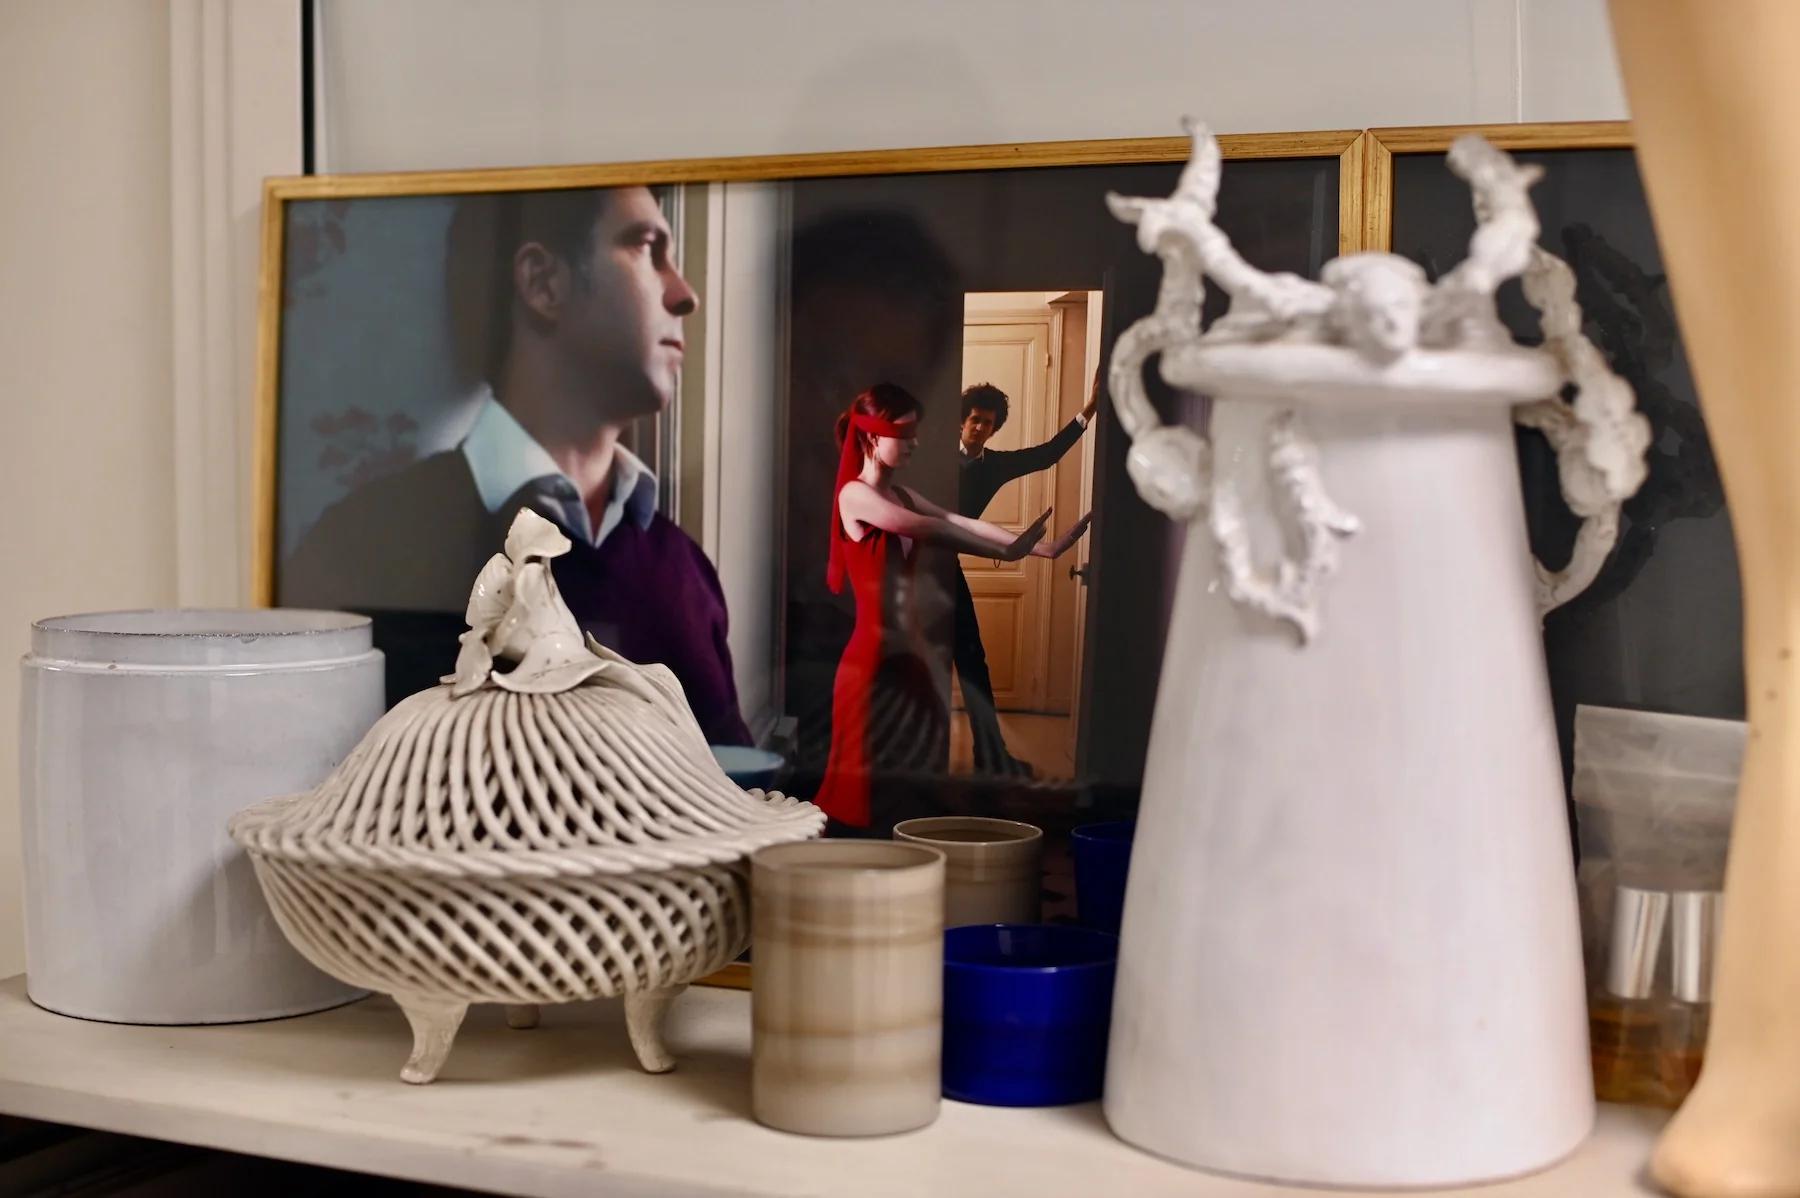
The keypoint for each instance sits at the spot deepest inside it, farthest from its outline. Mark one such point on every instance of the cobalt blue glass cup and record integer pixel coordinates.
(1102, 855)
(1027, 1009)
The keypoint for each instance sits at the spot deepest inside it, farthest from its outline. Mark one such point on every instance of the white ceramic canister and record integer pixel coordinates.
(141, 733)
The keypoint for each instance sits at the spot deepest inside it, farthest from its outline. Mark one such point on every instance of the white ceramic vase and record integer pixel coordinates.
(1350, 953)
(141, 732)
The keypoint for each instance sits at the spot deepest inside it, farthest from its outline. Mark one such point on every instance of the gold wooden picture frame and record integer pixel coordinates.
(1349, 148)
(280, 192)
(1381, 144)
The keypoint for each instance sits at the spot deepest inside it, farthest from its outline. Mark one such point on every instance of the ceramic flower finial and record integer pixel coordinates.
(517, 616)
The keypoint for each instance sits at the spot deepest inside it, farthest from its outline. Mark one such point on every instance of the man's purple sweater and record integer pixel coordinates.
(405, 549)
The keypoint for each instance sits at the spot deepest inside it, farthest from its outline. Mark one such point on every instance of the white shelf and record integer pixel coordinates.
(563, 1110)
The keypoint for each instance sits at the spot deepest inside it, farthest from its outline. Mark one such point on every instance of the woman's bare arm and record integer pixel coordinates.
(999, 535)
(991, 533)
(863, 504)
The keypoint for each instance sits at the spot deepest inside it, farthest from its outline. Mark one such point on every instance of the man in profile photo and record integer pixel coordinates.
(567, 308)
(983, 472)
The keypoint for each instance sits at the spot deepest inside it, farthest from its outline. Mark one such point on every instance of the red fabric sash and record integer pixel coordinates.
(850, 463)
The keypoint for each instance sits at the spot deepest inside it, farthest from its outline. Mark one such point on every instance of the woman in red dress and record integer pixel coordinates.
(888, 706)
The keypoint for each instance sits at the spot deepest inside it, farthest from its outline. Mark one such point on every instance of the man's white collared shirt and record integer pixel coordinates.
(504, 459)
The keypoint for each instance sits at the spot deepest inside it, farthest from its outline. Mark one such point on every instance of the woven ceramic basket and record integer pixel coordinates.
(551, 832)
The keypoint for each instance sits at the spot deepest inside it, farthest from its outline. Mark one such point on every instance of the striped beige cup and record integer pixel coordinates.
(993, 868)
(847, 1010)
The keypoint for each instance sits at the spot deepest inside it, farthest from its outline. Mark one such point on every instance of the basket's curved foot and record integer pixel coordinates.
(521, 1015)
(434, 1022)
(644, 1012)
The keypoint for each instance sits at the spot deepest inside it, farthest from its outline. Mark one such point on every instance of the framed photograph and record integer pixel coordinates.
(688, 365)
(1661, 628)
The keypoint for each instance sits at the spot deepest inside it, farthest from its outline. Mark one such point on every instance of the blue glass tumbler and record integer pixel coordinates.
(1102, 855)
(1027, 1009)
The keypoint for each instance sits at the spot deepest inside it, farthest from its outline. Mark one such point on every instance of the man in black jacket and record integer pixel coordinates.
(983, 472)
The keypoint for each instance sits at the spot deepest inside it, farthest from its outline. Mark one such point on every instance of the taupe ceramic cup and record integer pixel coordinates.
(993, 868)
(847, 1009)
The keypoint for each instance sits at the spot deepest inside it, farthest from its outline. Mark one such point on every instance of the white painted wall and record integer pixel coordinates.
(421, 84)
(1567, 70)
(133, 132)
(85, 339)
(133, 138)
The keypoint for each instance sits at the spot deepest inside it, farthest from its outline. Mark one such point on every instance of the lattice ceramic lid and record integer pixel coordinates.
(544, 754)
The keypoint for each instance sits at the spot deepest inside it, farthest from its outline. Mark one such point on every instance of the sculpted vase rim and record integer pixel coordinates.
(1316, 375)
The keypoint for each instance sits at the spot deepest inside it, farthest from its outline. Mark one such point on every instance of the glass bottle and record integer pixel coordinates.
(1624, 1026)
(1694, 936)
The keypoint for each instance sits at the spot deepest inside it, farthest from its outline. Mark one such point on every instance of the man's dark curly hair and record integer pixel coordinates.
(988, 398)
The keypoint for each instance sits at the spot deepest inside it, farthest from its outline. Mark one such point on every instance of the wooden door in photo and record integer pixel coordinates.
(1015, 352)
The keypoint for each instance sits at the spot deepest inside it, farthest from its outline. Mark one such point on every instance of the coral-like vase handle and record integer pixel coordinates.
(1171, 465)
(1599, 436)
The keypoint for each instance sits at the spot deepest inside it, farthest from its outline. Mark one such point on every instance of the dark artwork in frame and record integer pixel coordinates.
(879, 270)
(1660, 629)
